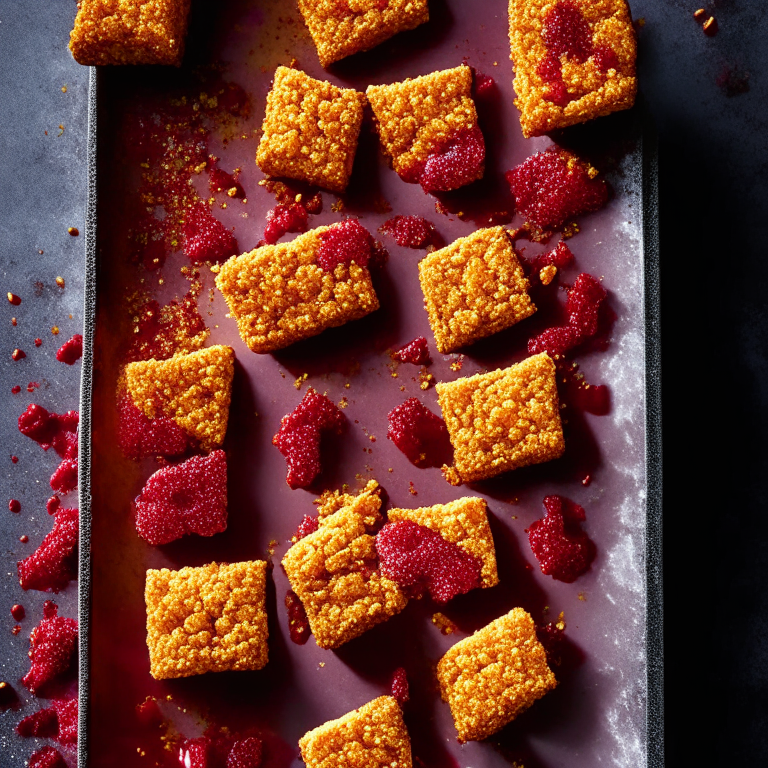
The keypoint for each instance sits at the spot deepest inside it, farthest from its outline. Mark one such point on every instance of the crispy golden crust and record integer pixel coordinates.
(463, 522)
(417, 115)
(473, 288)
(279, 295)
(338, 33)
(310, 130)
(194, 390)
(207, 619)
(333, 573)
(595, 93)
(129, 32)
(373, 736)
(488, 679)
(502, 420)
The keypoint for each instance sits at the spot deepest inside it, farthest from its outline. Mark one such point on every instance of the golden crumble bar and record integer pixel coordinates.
(373, 736)
(473, 288)
(463, 522)
(502, 420)
(194, 390)
(279, 294)
(340, 28)
(489, 678)
(310, 130)
(334, 572)
(129, 32)
(564, 82)
(208, 619)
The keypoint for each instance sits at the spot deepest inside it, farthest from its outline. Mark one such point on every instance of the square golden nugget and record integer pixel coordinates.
(129, 32)
(333, 572)
(373, 736)
(489, 678)
(310, 130)
(463, 522)
(473, 288)
(279, 294)
(502, 420)
(340, 28)
(208, 619)
(573, 61)
(194, 390)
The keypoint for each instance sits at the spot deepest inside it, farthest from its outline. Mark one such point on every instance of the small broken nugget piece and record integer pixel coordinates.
(373, 736)
(489, 678)
(428, 128)
(310, 130)
(129, 32)
(334, 571)
(194, 390)
(473, 288)
(573, 61)
(280, 294)
(502, 420)
(208, 619)
(340, 28)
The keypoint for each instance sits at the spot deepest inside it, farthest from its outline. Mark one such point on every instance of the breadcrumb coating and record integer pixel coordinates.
(489, 678)
(373, 736)
(208, 619)
(502, 420)
(194, 390)
(463, 522)
(333, 571)
(129, 32)
(310, 130)
(594, 93)
(279, 294)
(340, 28)
(415, 117)
(473, 288)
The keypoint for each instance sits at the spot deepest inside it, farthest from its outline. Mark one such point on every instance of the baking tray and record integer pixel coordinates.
(609, 706)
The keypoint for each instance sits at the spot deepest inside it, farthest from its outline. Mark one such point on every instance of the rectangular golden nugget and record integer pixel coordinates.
(502, 420)
(573, 61)
(473, 288)
(340, 28)
(310, 130)
(129, 32)
(333, 571)
(489, 678)
(373, 736)
(463, 522)
(208, 619)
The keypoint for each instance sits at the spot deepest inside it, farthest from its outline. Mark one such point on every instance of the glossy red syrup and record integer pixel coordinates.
(140, 436)
(222, 182)
(54, 563)
(51, 430)
(283, 218)
(53, 647)
(205, 237)
(64, 479)
(52, 505)
(399, 687)
(420, 434)
(560, 257)
(18, 612)
(38, 342)
(71, 351)
(482, 84)
(563, 550)
(458, 162)
(344, 243)
(14, 299)
(308, 525)
(47, 757)
(15, 390)
(420, 559)
(298, 623)
(415, 352)
(18, 354)
(148, 242)
(411, 231)
(187, 498)
(298, 438)
(43, 724)
(576, 391)
(32, 386)
(15, 506)
(14, 459)
(67, 712)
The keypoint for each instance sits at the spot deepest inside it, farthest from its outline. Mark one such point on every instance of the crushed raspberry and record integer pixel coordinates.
(71, 351)
(416, 352)
(605, 58)
(566, 31)
(552, 187)
(308, 525)
(410, 231)
(557, 93)
(298, 438)
(67, 712)
(47, 757)
(52, 505)
(195, 753)
(64, 479)
(18, 612)
(298, 623)
(285, 218)
(459, 162)
(43, 724)
(50, 609)
(419, 434)
(51, 430)
(576, 391)
(555, 341)
(483, 84)
(552, 638)
(14, 299)
(15, 506)
(399, 687)
(190, 497)
(560, 257)
(221, 181)
(205, 237)
(344, 243)
(549, 69)
(53, 645)
(421, 559)
(54, 563)
(245, 753)
(563, 550)
(140, 436)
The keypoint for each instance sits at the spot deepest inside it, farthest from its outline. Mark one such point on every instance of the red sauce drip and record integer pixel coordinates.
(457, 162)
(415, 352)
(483, 84)
(71, 351)
(50, 609)
(14, 299)
(18, 612)
(53, 647)
(52, 505)
(23, 538)
(149, 713)
(14, 505)
(344, 243)
(576, 391)
(15, 390)
(399, 687)
(51, 430)
(64, 479)
(38, 342)
(18, 354)
(221, 181)
(291, 217)
(298, 623)
(419, 434)
(43, 724)
(54, 563)
(411, 231)
(560, 257)
(205, 237)
(15, 459)
(308, 525)
(140, 436)
(47, 757)
(566, 31)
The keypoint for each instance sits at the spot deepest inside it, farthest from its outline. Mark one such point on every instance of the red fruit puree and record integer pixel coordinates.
(298, 438)
(140, 436)
(53, 645)
(298, 623)
(220, 752)
(56, 722)
(399, 687)
(221, 181)
(64, 479)
(419, 434)
(410, 231)
(186, 498)
(560, 257)
(54, 563)
(344, 243)
(51, 430)
(416, 352)
(291, 217)
(47, 757)
(71, 351)
(205, 237)
(308, 525)
(563, 550)
(456, 162)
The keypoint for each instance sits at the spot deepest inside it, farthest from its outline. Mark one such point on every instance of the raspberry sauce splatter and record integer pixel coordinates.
(411, 231)
(283, 218)
(140, 436)
(399, 686)
(482, 84)
(54, 563)
(71, 351)
(205, 237)
(51, 430)
(15, 506)
(459, 161)
(43, 724)
(18, 354)
(18, 612)
(64, 479)
(415, 352)
(559, 257)
(47, 757)
(53, 646)
(308, 525)
(222, 182)
(344, 243)
(219, 750)
(576, 391)
(245, 753)
(419, 434)
(298, 623)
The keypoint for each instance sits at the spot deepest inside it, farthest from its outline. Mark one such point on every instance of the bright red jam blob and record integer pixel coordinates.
(298, 623)
(419, 558)
(205, 237)
(67, 711)
(399, 687)
(18, 354)
(308, 525)
(415, 352)
(15, 390)
(483, 84)
(8, 697)
(186, 498)
(47, 757)
(51, 430)
(283, 218)
(298, 438)
(410, 231)
(419, 434)
(64, 479)
(38, 342)
(18, 612)
(43, 724)
(140, 436)
(71, 351)
(195, 753)
(220, 751)
(52, 505)
(344, 243)
(54, 563)
(566, 31)
(53, 647)
(458, 162)
(15, 506)
(563, 550)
